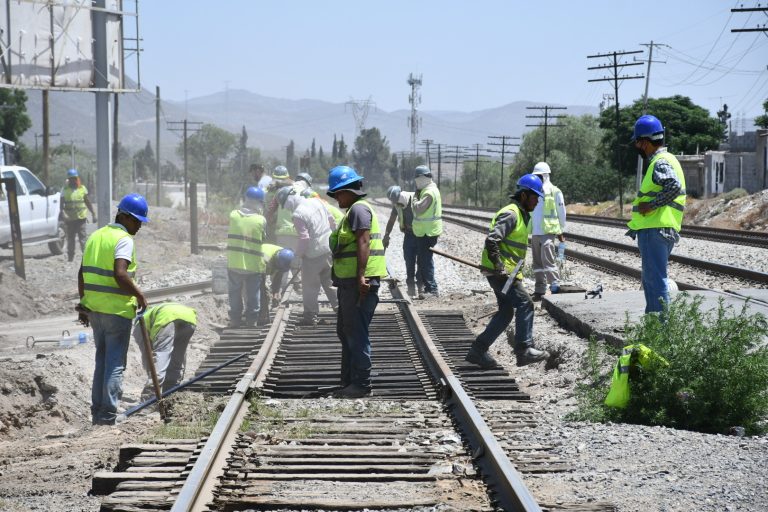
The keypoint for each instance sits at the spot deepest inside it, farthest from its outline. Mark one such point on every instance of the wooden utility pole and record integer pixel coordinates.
(46, 132)
(614, 65)
(546, 124)
(186, 128)
(503, 151)
(157, 145)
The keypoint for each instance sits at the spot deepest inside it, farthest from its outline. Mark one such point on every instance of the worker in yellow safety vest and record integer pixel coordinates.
(657, 212)
(427, 207)
(109, 299)
(75, 206)
(358, 266)
(170, 326)
(547, 227)
(503, 255)
(245, 267)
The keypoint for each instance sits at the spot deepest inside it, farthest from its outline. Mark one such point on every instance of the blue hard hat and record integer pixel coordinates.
(280, 172)
(284, 259)
(136, 205)
(283, 193)
(72, 173)
(648, 127)
(393, 193)
(255, 193)
(532, 183)
(422, 170)
(341, 176)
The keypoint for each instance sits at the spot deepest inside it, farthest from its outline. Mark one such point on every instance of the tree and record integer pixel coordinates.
(371, 156)
(14, 120)
(762, 121)
(688, 129)
(206, 149)
(241, 155)
(576, 156)
(312, 152)
(723, 116)
(342, 151)
(479, 183)
(335, 151)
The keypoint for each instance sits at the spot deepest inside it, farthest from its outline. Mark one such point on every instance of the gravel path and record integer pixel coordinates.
(635, 467)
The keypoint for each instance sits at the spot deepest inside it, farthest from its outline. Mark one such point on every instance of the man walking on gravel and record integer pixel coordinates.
(403, 214)
(505, 248)
(548, 224)
(109, 299)
(657, 212)
(358, 266)
(75, 206)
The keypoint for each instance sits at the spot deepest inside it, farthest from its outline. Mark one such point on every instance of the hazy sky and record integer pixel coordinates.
(473, 55)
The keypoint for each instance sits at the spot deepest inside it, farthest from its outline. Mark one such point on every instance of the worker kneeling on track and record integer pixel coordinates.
(504, 252)
(313, 228)
(277, 261)
(358, 266)
(170, 326)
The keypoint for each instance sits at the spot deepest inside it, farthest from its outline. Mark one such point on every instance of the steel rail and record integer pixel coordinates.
(505, 481)
(586, 258)
(197, 490)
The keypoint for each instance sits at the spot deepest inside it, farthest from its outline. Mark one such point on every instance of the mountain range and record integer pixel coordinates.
(270, 122)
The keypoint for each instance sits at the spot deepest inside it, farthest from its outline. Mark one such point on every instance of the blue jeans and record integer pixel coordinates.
(655, 249)
(111, 334)
(517, 301)
(410, 250)
(252, 284)
(426, 263)
(352, 322)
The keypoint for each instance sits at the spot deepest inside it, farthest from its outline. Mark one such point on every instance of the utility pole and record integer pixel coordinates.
(439, 162)
(639, 176)
(426, 143)
(503, 151)
(46, 130)
(157, 145)
(41, 135)
(477, 148)
(72, 150)
(615, 66)
(174, 127)
(414, 121)
(759, 28)
(545, 124)
(360, 109)
(458, 151)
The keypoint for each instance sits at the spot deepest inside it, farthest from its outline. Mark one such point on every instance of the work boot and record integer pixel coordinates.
(531, 355)
(480, 357)
(536, 297)
(352, 391)
(411, 289)
(308, 321)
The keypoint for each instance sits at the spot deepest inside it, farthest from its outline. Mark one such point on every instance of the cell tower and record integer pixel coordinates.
(360, 109)
(414, 121)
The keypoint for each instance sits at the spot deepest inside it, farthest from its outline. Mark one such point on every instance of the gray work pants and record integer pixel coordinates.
(544, 250)
(75, 228)
(170, 348)
(316, 273)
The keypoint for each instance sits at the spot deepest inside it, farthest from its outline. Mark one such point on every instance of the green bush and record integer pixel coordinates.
(717, 376)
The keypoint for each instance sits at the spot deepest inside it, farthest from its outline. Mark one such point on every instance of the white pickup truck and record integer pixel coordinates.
(39, 208)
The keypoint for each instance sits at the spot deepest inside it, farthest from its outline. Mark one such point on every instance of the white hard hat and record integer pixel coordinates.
(541, 168)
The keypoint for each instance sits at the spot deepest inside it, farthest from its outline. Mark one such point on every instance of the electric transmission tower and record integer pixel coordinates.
(414, 121)
(360, 109)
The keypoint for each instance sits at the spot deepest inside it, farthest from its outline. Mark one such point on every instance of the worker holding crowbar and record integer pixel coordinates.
(503, 256)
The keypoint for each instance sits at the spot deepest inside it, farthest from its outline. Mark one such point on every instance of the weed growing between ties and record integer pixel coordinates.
(716, 379)
(193, 416)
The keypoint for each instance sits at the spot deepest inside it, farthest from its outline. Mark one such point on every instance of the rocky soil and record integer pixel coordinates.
(49, 450)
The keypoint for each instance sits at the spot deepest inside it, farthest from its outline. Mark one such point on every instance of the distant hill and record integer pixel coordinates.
(270, 122)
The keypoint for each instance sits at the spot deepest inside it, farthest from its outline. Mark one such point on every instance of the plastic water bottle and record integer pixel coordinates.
(561, 251)
(72, 340)
(554, 287)
(83, 337)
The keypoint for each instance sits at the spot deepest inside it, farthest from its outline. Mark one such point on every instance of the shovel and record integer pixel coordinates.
(151, 363)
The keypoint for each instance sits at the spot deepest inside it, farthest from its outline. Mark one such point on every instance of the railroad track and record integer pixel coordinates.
(480, 223)
(420, 441)
(731, 236)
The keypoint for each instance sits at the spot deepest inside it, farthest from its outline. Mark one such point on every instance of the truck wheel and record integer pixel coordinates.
(57, 247)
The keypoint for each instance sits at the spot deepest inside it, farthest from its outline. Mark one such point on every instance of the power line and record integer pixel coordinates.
(477, 148)
(360, 109)
(615, 67)
(504, 144)
(546, 125)
(184, 126)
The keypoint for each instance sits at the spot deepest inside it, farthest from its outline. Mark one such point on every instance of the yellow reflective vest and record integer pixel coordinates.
(430, 221)
(74, 202)
(631, 357)
(668, 216)
(101, 291)
(550, 221)
(344, 247)
(514, 246)
(246, 233)
(161, 315)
